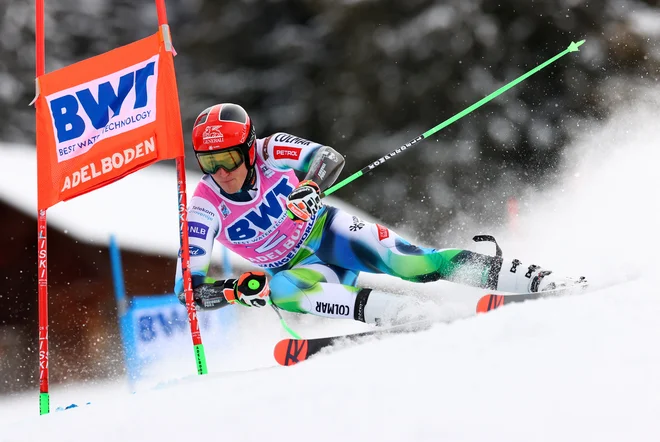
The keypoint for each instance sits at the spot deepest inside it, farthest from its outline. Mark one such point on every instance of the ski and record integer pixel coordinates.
(492, 301)
(292, 351)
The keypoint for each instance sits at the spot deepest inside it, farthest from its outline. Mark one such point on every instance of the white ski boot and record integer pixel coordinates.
(513, 277)
(516, 278)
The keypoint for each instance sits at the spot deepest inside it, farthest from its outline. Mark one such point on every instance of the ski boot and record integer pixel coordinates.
(514, 277)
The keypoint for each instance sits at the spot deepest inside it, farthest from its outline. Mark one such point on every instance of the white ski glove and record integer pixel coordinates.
(252, 289)
(304, 201)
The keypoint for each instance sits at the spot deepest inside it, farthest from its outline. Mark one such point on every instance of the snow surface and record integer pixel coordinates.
(577, 368)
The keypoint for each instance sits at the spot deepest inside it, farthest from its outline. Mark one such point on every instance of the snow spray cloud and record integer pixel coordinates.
(601, 218)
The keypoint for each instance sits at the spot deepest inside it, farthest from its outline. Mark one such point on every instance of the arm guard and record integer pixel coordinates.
(325, 167)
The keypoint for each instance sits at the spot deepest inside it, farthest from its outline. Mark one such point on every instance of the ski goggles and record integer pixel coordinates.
(211, 162)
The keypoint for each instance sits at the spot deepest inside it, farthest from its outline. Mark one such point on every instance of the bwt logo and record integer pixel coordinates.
(260, 219)
(150, 326)
(106, 106)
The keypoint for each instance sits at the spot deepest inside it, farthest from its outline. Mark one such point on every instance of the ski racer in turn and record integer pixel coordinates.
(251, 202)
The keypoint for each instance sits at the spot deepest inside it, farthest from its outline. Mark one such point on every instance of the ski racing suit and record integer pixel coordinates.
(314, 265)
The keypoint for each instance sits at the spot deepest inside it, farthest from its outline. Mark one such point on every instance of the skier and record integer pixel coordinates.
(251, 201)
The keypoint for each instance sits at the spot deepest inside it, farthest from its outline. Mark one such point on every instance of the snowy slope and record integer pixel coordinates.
(578, 368)
(568, 369)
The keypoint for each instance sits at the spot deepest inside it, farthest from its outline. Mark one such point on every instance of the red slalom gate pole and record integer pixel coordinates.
(42, 228)
(512, 211)
(42, 268)
(200, 356)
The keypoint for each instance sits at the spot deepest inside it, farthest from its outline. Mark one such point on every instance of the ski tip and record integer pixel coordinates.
(482, 304)
(291, 351)
(489, 302)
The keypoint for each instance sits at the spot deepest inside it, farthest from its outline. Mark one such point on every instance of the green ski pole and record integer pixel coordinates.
(283, 323)
(573, 47)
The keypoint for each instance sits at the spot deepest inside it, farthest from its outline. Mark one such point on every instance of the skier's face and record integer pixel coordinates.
(231, 182)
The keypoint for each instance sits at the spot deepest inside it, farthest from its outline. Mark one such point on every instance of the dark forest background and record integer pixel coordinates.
(367, 76)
